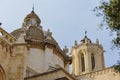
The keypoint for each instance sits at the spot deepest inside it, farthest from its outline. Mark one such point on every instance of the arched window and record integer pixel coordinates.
(93, 61)
(83, 63)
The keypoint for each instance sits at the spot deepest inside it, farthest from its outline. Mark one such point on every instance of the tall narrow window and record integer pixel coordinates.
(83, 63)
(93, 61)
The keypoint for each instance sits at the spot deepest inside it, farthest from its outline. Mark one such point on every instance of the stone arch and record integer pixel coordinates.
(1, 34)
(92, 61)
(2, 73)
(81, 61)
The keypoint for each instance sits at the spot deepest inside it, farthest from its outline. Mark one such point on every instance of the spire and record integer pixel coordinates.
(86, 39)
(75, 43)
(0, 23)
(97, 41)
(33, 8)
(65, 50)
(85, 33)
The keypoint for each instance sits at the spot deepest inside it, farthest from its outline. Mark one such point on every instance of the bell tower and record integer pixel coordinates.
(87, 57)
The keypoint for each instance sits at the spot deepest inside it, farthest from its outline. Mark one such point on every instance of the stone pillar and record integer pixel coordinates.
(103, 62)
(77, 67)
(87, 63)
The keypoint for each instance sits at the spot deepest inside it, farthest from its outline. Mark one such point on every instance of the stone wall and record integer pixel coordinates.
(12, 57)
(40, 60)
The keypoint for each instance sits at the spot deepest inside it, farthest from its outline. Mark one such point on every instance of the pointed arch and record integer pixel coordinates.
(93, 61)
(83, 62)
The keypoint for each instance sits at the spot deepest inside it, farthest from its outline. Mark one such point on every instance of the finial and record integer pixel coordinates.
(75, 43)
(97, 41)
(85, 33)
(65, 49)
(49, 33)
(0, 23)
(33, 8)
(48, 30)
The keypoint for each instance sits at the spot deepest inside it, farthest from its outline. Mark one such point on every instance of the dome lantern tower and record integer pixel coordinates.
(32, 20)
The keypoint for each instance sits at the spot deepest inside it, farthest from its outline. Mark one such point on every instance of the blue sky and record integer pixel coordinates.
(67, 19)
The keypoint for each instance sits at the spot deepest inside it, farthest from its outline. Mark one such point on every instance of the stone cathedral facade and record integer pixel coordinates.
(31, 53)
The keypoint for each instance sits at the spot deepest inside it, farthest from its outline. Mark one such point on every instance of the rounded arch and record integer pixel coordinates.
(2, 73)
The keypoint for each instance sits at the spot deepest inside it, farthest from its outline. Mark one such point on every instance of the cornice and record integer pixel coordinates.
(50, 72)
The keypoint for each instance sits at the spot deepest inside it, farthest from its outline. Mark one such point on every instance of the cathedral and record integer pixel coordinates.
(31, 53)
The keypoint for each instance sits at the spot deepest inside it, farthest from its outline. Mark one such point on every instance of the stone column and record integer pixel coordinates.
(87, 62)
(103, 62)
(77, 67)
